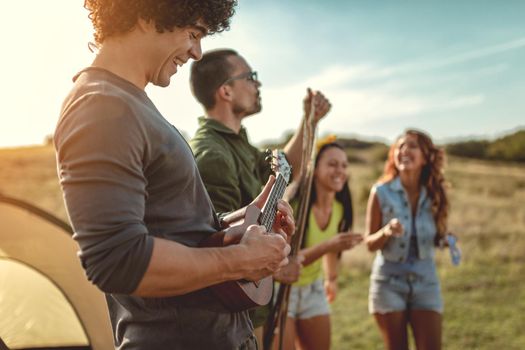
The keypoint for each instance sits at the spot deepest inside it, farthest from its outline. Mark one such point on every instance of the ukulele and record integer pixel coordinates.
(276, 321)
(243, 294)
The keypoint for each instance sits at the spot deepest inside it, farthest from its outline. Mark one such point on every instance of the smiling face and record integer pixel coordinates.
(408, 155)
(331, 170)
(170, 50)
(246, 97)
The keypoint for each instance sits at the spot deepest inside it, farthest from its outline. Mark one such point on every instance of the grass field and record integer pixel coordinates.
(484, 296)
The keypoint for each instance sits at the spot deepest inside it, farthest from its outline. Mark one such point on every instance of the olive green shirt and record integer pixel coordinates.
(233, 172)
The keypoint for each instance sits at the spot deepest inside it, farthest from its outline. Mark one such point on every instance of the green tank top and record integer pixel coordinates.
(314, 236)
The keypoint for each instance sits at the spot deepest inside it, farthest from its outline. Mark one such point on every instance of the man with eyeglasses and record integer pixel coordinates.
(232, 169)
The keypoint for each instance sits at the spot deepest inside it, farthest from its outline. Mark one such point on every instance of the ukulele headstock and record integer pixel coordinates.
(279, 164)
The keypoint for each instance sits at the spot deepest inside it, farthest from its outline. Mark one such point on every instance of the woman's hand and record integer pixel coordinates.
(394, 228)
(330, 288)
(344, 241)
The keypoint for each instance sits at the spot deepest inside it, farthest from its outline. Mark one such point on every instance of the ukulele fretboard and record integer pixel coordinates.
(270, 208)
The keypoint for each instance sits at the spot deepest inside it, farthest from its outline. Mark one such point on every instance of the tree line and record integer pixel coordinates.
(507, 148)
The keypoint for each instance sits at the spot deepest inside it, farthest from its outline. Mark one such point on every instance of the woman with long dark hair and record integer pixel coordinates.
(327, 235)
(406, 219)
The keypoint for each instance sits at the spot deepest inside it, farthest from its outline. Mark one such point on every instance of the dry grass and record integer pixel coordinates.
(484, 307)
(484, 297)
(30, 174)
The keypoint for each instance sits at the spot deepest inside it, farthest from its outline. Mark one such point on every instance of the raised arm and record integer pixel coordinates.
(294, 147)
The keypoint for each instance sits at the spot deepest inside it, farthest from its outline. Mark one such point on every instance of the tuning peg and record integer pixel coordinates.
(269, 156)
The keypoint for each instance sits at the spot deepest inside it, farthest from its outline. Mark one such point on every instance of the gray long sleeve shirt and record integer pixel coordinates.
(128, 175)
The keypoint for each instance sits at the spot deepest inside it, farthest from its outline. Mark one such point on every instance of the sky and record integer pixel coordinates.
(455, 69)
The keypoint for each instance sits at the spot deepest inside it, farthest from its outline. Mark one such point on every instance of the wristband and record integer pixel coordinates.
(455, 253)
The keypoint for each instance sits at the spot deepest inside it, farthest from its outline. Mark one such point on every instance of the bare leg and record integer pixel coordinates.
(393, 327)
(289, 336)
(426, 326)
(314, 333)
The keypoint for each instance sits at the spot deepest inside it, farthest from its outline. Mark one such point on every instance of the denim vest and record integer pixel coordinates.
(394, 204)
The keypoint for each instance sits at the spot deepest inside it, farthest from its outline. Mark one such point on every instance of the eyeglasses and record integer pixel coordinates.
(250, 76)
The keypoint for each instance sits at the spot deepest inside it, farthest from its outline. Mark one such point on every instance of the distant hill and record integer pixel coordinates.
(510, 148)
(507, 148)
(358, 150)
(354, 143)
(364, 151)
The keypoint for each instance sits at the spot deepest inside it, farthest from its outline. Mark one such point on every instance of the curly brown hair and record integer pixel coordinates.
(431, 176)
(110, 17)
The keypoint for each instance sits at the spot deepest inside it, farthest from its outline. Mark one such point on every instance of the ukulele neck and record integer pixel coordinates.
(270, 208)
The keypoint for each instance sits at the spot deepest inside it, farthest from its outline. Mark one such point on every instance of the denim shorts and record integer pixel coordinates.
(407, 291)
(308, 301)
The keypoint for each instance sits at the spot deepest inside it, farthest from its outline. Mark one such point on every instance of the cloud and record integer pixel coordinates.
(340, 74)
(337, 75)
(448, 59)
(482, 52)
(359, 94)
(458, 102)
(352, 106)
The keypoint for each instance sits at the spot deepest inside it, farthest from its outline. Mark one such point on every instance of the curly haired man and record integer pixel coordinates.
(133, 192)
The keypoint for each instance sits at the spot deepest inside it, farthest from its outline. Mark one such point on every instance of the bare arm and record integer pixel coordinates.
(330, 267)
(294, 147)
(311, 254)
(336, 244)
(375, 235)
(258, 255)
(175, 269)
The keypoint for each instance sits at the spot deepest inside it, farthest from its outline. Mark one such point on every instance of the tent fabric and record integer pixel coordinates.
(42, 285)
(2, 345)
(37, 313)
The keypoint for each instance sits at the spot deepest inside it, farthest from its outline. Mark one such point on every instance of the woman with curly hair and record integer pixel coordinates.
(328, 234)
(133, 192)
(406, 218)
